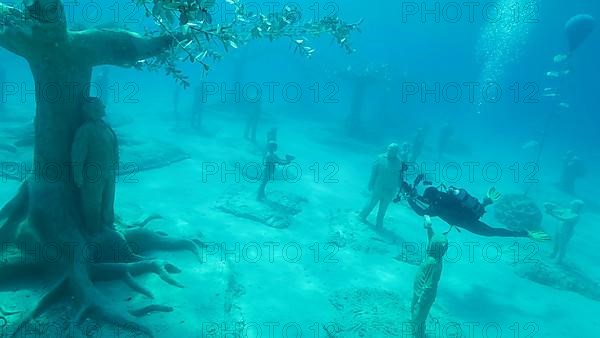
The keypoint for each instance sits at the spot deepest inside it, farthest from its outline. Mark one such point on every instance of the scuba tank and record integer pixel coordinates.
(470, 203)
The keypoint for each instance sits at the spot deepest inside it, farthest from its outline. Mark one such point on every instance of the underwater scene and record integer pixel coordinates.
(306, 168)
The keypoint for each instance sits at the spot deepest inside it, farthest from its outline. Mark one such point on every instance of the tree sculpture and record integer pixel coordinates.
(47, 208)
(362, 80)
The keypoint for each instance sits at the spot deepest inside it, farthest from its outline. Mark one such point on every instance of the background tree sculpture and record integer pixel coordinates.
(46, 209)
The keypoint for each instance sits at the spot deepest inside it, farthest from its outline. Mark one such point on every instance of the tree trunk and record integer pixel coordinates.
(61, 85)
(48, 202)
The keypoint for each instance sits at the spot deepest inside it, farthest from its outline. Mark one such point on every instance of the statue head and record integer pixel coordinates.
(93, 108)
(272, 146)
(577, 206)
(46, 11)
(405, 147)
(392, 150)
(438, 245)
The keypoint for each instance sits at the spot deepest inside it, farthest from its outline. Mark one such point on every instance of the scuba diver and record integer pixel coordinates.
(458, 208)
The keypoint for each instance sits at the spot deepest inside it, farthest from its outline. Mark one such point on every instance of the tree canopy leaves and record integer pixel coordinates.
(202, 38)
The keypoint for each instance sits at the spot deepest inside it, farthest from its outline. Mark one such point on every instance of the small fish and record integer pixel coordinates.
(530, 145)
(564, 105)
(560, 58)
(552, 74)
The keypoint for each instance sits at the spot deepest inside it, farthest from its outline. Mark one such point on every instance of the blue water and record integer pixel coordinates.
(421, 59)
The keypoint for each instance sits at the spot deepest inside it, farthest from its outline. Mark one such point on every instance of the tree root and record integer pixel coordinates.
(139, 224)
(150, 308)
(126, 272)
(147, 220)
(115, 258)
(79, 286)
(14, 212)
(51, 296)
(143, 240)
(8, 313)
(20, 267)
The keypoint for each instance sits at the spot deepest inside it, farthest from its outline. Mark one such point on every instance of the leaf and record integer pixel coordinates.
(186, 29)
(167, 15)
(204, 16)
(207, 4)
(156, 10)
(187, 44)
(183, 19)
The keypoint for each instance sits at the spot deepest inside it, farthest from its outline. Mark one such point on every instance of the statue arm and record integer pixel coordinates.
(428, 228)
(564, 216)
(280, 160)
(374, 172)
(118, 47)
(79, 154)
(13, 31)
(115, 148)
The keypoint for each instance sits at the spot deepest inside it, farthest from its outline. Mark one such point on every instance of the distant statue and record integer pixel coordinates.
(197, 109)
(176, 110)
(405, 152)
(573, 169)
(2, 86)
(417, 145)
(272, 135)
(362, 80)
(102, 84)
(444, 139)
(254, 112)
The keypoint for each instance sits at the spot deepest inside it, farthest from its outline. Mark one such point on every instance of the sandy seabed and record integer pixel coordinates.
(301, 265)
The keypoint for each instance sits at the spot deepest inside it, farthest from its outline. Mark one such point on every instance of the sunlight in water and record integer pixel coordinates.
(508, 24)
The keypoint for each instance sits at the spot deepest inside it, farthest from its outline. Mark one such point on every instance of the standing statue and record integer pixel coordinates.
(573, 169)
(197, 109)
(383, 183)
(2, 87)
(271, 160)
(427, 279)
(417, 145)
(95, 158)
(564, 233)
(362, 81)
(445, 139)
(254, 110)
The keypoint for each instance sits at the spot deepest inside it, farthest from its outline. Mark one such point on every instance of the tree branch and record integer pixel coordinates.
(15, 31)
(118, 47)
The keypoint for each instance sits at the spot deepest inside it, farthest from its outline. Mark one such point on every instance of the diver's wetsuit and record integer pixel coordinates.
(460, 210)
